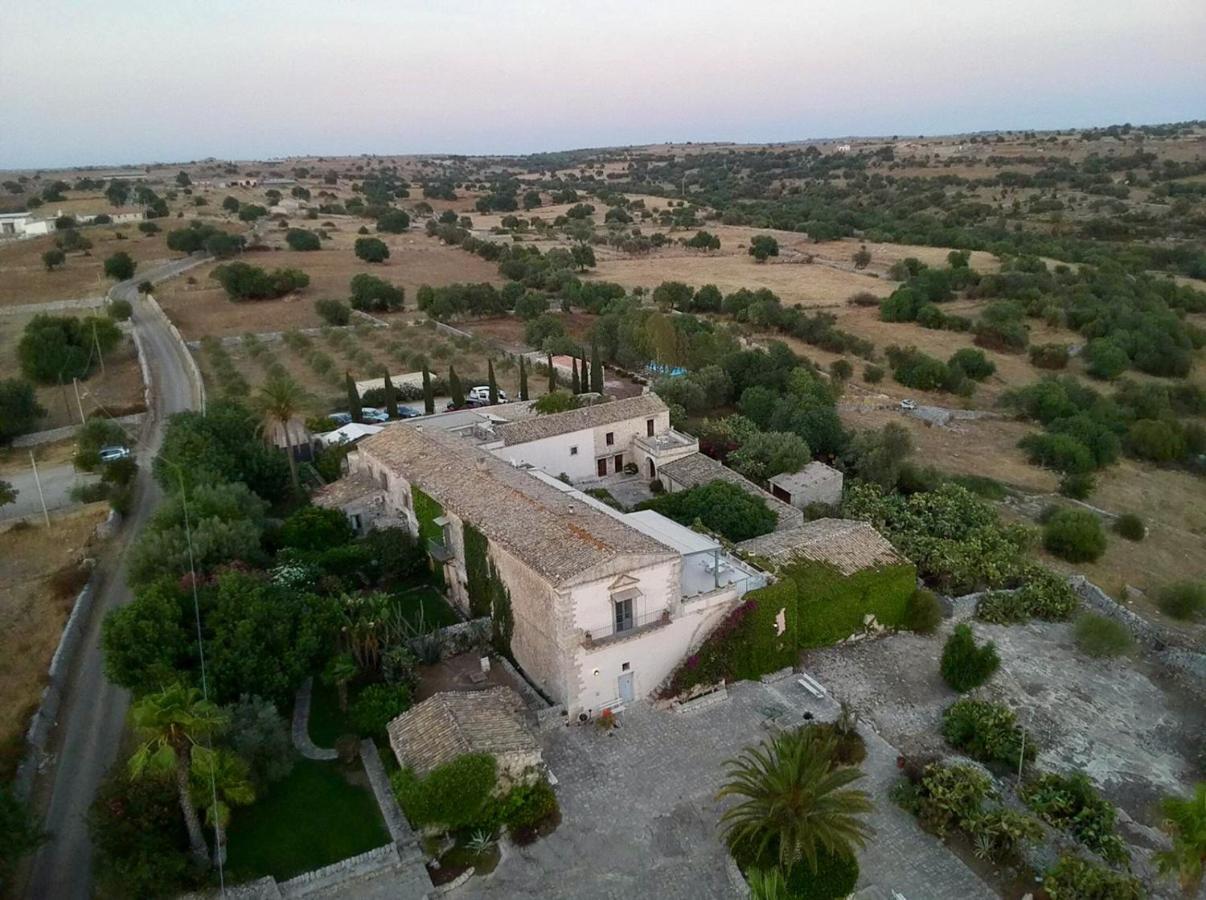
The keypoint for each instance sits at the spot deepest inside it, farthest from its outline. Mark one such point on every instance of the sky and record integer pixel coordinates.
(98, 83)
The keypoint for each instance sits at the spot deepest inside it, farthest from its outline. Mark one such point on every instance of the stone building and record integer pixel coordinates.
(815, 483)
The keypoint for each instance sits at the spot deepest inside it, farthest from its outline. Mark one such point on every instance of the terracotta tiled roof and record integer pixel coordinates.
(353, 487)
(539, 427)
(555, 534)
(451, 724)
(699, 468)
(846, 544)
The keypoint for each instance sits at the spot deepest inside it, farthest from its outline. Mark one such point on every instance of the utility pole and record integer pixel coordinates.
(96, 344)
(38, 481)
(79, 405)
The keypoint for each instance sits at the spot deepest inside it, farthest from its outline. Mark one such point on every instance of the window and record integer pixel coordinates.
(611, 438)
(649, 427)
(624, 667)
(623, 609)
(573, 451)
(354, 521)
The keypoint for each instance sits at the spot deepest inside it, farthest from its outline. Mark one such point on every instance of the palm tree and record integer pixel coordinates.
(279, 401)
(220, 780)
(794, 799)
(1185, 821)
(169, 724)
(766, 884)
(340, 670)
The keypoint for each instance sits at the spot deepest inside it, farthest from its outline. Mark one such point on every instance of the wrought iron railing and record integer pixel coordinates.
(628, 627)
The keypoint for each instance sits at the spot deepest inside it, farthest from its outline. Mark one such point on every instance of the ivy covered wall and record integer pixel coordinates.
(488, 596)
(426, 512)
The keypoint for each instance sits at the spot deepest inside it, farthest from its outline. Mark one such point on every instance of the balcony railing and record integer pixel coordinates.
(638, 625)
(439, 552)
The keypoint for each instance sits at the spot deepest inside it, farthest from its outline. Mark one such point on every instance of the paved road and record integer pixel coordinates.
(93, 711)
(57, 481)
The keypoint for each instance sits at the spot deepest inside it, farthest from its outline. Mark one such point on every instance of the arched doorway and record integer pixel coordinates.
(652, 470)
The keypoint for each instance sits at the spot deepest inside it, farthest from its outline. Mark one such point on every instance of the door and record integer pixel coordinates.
(627, 689)
(619, 463)
(652, 470)
(601, 467)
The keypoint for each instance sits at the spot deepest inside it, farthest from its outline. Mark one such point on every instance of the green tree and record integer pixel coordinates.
(493, 385)
(355, 408)
(220, 780)
(303, 240)
(596, 367)
(1075, 535)
(168, 725)
(555, 402)
(763, 246)
(279, 401)
(455, 390)
(55, 349)
(145, 642)
(53, 258)
(394, 222)
(333, 312)
(861, 257)
(230, 204)
(118, 192)
(523, 379)
(8, 493)
(19, 409)
(575, 382)
(120, 266)
(371, 250)
(793, 801)
(19, 832)
(428, 391)
(341, 670)
(1185, 823)
(879, 456)
(766, 454)
(391, 398)
(583, 256)
(719, 506)
(552, 375)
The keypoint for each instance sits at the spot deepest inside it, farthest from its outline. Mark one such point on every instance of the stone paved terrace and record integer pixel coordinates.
(639, 814)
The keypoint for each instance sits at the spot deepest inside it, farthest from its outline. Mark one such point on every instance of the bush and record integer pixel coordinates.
(1183, 600)
(1077, 485)
(242, 281)
(1045, 596)
(303, 240)
(923, 612)
(333, 312)
(375, 294)
(376, 706)
(453, 795)
(873, 374)
(315, 528)
(393, 222)
(946, 796)
(1074, 535)
(1101, 637)
(964, 665)
(1072, 804)
(986, 731)
(54, 348)
(1073, 878)
(373, 250)
(1130, 526)
(974, 363)
(120, 310)
(721, 507)
(525, 808)
(1049, 356)
(259, 735)
(835, 875)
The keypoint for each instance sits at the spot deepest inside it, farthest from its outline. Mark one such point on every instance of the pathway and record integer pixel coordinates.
(301, 726)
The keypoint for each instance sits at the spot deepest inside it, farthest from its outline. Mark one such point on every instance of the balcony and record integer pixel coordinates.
(608, 634)
(668, 442)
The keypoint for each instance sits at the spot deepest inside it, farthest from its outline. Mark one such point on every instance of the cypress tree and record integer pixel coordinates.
(391, 398)
(596, 367)
(428, 393)
(523, 380)
(493, 384)
(354, 407)
(575, 384)
(552, 375)
(455, 389)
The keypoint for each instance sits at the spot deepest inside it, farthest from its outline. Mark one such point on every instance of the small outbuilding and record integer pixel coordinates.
(454, 723)
(815, 483)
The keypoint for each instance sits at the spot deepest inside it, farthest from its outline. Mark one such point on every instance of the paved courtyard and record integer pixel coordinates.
(639, 814)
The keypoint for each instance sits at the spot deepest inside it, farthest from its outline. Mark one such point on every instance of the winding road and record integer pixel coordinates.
(92, 716)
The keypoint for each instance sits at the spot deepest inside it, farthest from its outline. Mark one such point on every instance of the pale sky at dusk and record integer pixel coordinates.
(138, 81)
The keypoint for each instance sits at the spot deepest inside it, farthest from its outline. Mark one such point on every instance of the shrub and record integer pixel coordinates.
(333, 312)
(453, 795)
(302, 240)
(1077, 485)
(974, 363)
(721, 507)
(375, 294)
(964, 665)
(525, 808)
(1062, 452)
(63, 347)
(1182, 600)
(873, 374)
(242, 281)
(370, 249)
(1073, 878)
(1074, 535)
(1072, 804)
(376, 706)
(393, 222)
(986, 731)
(1045, 595)
(923, 612)
(946, 796)
(1049, 356)
(1130, 526)
(120, 310)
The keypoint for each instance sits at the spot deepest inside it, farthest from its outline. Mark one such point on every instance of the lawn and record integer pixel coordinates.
(327, 722)
(425, 607)
(313, 818)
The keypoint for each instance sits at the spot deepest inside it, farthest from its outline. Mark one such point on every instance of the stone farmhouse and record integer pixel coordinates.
(599, 605)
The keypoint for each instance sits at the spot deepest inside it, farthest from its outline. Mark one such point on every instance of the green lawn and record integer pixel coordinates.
(327, 722)
(313, 818)
(427, 605)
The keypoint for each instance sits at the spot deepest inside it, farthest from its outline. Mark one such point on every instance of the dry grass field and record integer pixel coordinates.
(199, 306)
(40, 576)
(24, 279)
(118, 391)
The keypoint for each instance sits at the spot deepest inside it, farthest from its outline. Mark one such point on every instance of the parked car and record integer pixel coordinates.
(340, 418)
(908, 404)
(482, 392)
(113, 454)
(405, 412)
(374, 415)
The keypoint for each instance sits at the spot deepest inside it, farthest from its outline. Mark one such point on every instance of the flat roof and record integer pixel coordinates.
(813, 473)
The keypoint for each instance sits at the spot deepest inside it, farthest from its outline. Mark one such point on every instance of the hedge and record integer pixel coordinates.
(821, 606)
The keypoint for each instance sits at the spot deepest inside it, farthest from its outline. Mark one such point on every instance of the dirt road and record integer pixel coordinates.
(93, 711)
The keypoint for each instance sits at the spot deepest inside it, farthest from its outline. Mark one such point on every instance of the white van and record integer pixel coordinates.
(481, 394)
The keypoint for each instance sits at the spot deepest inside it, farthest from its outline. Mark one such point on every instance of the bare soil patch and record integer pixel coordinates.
(202, 308)
(39, 579)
